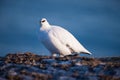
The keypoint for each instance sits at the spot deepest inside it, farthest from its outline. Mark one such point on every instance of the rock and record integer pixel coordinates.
(66, 78)
(29, 66)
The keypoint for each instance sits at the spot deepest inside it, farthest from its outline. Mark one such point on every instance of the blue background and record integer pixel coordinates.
(96, 24)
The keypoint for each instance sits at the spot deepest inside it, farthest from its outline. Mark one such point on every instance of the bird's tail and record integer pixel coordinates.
(86, 52)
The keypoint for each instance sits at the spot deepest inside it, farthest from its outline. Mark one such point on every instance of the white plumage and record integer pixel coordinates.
(58, 40)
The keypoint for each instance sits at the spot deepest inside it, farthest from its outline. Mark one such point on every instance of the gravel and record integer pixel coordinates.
(29, 66)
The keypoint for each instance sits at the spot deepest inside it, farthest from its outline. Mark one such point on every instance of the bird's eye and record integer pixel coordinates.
(43, 21)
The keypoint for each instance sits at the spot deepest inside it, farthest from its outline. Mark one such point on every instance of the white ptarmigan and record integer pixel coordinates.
(58, 40)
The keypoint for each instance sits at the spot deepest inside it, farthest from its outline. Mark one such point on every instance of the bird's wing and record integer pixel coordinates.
(66, 38)
(52, 43)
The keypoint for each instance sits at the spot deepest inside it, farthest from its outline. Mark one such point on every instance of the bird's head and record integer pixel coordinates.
(44, 22)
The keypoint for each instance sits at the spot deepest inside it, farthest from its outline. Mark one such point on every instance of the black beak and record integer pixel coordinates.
(43, 21)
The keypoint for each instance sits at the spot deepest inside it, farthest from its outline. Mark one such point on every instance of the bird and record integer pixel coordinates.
(59, 41)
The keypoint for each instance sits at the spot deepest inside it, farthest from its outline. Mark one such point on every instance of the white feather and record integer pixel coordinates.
(58, 40)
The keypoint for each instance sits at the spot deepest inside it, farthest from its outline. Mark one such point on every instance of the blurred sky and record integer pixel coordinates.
(96, 24)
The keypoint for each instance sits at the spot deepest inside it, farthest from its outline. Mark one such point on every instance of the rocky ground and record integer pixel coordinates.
(29, 66)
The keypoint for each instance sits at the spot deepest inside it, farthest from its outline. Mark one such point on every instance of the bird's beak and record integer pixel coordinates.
(43, 21)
